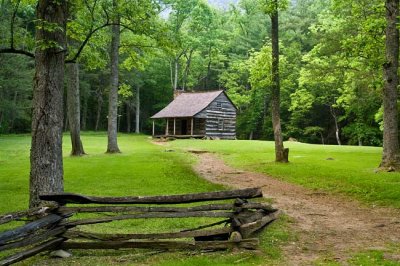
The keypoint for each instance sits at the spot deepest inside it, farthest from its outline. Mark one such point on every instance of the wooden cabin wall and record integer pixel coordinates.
(220, 118)
(199, 126)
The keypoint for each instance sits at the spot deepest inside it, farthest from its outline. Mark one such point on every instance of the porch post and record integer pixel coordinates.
(153, 128)
(191, 128)
(166, 129)
(174, 126)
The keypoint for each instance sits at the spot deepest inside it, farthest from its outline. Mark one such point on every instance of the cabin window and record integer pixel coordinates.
(219, 105)
(221, 124)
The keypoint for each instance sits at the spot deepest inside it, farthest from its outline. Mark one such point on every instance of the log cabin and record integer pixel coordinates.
(199, 114)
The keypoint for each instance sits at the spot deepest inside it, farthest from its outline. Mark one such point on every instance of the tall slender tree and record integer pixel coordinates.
(112, 146)
(272, 9)
(137, 105)
(73, 107)
(391, 153)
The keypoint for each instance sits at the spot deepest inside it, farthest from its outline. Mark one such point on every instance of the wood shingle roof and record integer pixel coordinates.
(188, 104)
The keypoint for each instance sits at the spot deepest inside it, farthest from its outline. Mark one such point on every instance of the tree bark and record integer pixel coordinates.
(137, 129)
(12, 119)
(171, 75)
(99, 93)
(112, 146)
(206, 82)
(281, 154)
(128, 117)
(74, 114)
(84, 113)
(176, 73)
(46, 175)
(391, 156)
(337, 129)
(187, 68)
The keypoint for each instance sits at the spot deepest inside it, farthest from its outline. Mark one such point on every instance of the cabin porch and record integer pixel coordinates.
(183, 127)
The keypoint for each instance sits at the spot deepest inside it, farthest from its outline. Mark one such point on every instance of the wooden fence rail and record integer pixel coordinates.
(56, 226)
(63, 198)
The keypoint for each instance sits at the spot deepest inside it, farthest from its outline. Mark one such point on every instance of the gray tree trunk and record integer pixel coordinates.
(176, 74)
(46, 175)
(112, 146)
(128, 117)
(187, 69)
(84, 113)
(171, 75)
(99, 93)
(281, 154)
(74, 114)
(391, 156)
(337, 129)
(137, 128)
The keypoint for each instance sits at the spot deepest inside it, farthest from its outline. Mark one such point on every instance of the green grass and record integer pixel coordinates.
(141, 169)
(147, 169)
(351, 172)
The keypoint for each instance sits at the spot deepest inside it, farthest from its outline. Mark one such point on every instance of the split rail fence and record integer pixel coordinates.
(56, 226)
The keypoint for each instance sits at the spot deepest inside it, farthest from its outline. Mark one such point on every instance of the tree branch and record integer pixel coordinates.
(12, 25)
(16, 51)
(90, 34)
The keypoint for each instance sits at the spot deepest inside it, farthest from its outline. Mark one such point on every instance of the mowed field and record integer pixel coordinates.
(349, 170)
(147, 169)
(141, 169)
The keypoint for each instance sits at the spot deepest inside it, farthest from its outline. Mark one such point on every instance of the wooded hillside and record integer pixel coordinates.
(331, 65)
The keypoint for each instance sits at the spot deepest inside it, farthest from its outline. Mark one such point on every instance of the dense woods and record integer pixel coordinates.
(314, 71)
(331, 64)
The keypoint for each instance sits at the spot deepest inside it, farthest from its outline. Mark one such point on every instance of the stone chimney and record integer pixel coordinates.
(177, 93)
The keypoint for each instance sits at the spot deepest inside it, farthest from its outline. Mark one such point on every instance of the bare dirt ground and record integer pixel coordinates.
(326, 225)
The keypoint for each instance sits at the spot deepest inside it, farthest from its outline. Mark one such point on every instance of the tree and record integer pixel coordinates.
(47, 118)
(391, 155)
(16, 76)
(73, 107)
(112, 146)
(272, 7)
(343, 73)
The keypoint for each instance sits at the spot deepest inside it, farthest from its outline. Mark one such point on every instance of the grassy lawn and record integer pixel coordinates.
(147, 169)
(349, 170)
(142, 169)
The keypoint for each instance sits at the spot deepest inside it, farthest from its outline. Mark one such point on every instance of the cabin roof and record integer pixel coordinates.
(188, 104)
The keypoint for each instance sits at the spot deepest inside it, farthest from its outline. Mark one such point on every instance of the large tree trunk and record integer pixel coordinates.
(391, 156)
(281, 154)
(46, 174)
(137, 128)
(112, 146)
(74, 114)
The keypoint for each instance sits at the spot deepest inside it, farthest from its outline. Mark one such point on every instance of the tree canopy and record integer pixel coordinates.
(331, 63)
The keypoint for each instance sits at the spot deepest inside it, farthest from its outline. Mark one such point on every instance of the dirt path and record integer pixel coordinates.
(326, 225)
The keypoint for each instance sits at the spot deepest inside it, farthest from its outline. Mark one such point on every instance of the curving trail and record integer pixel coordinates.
(327, 225)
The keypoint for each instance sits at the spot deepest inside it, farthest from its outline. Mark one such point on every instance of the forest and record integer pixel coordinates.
(331, 64)
(82, 80)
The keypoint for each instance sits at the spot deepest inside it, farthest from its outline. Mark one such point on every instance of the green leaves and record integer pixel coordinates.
(273, 6)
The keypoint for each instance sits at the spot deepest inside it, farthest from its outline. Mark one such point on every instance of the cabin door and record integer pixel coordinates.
(184, 127)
